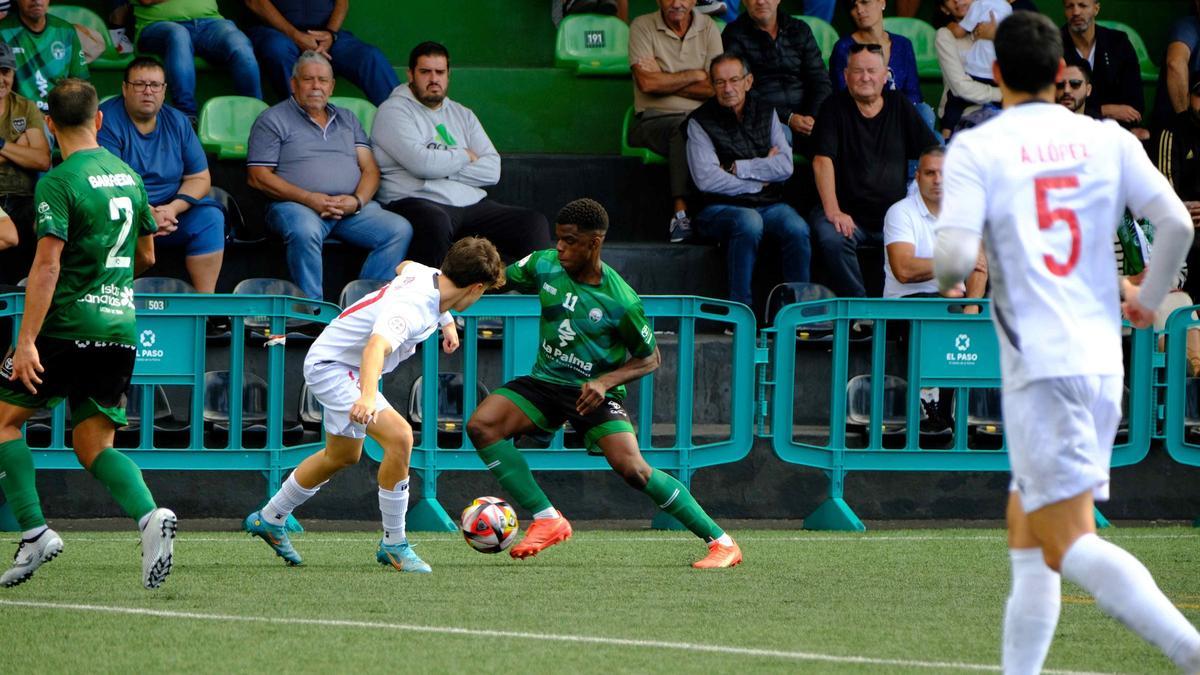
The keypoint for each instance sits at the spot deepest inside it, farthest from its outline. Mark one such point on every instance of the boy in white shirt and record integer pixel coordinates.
(343, 368)
(977, 62)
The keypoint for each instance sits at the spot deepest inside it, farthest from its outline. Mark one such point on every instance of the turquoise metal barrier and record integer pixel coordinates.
(172, 351)
(1181, 418)
(682, 457)
(945, 350)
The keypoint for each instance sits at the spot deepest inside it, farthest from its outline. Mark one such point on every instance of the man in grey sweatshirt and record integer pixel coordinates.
(435, 160)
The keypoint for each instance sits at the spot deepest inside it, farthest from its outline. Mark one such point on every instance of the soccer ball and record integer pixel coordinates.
(489, 525)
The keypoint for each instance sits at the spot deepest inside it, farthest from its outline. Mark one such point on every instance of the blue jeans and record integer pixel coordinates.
(820, 8)
(218, 41)
(357, 61)
(383, 233)
(742, 229)
(841, 253)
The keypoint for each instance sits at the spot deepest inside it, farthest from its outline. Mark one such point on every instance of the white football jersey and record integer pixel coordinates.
(1046, 189)
(405, 312)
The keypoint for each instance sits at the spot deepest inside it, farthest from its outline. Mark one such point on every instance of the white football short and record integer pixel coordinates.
(335, 385)
(1060, 435)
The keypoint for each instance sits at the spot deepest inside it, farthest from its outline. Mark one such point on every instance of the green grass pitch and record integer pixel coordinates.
(606, 601)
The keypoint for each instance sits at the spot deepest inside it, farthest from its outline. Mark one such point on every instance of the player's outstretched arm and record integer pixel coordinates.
(955, 255)
(592, 392)
(369, 373)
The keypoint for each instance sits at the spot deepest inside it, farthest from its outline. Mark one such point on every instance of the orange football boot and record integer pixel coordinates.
(720, 556)
(542, 534)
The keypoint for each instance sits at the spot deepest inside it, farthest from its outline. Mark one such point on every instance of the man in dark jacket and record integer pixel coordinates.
(1179, 151)
(789, 71)
(739, 157)
(1116, 74)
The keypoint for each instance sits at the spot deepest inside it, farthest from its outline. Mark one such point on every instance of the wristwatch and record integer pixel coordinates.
(360, 204)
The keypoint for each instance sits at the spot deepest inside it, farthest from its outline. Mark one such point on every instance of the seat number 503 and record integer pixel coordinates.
(120, 208)
(1048, 217)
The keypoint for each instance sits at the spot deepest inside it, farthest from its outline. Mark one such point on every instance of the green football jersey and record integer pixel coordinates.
(43, 58)
(586, 331)
(97, 205)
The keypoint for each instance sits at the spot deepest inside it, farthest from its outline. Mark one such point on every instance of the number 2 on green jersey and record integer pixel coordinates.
(118, 208)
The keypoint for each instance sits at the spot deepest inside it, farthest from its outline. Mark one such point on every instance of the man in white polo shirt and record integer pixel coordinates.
(908, 238)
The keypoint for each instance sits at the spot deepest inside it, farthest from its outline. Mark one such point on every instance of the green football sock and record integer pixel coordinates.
(17, 481)
(510, 468)
(671, 496)
(124, 481)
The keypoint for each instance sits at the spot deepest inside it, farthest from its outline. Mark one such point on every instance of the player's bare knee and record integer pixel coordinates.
(635, 471)
(482, 432)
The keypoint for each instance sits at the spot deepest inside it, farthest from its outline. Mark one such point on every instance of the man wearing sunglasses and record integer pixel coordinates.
(159, 143)
(1074, 89)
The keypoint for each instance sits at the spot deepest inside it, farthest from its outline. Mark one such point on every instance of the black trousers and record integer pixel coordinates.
(515, 231)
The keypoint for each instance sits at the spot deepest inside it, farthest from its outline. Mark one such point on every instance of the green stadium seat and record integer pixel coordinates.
(110, 59)
(647, 155)
(826, 35)
(592, 44)
(363, 109)
(225, 123)
(720, 24)
(1149, 70)
(923, 37)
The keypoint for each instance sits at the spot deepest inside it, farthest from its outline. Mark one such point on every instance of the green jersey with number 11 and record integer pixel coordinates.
(97, 205)
(586, 331)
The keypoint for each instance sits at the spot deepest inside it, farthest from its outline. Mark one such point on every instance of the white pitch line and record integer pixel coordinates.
(517, 635)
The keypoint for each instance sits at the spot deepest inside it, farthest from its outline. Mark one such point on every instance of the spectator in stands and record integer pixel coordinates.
(180, 30)
(864, 138)
(952, 51)
(898, 55)
(978, 23)
(1182, 57)
(1116, 73)
(288, 27)
(669, 52)
(789, 72)
(739, 157)
(314, 161)
(908, 238)
(47, 49)
(24, 151)
(436, 159)
(158, 142)
(1179, 151)
(1075, 87)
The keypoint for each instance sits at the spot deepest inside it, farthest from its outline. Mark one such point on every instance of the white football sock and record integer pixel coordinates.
(393, 504)
(1124, 589)
(545, 513)
(1031, 613)
(291, 494)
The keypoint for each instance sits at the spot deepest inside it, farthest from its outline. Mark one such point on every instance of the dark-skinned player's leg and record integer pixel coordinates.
(623, 455)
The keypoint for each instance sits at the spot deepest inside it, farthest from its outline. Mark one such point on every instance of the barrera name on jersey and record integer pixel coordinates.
(98, 205)
(404, 312)
(1047, 189)
(586, 331)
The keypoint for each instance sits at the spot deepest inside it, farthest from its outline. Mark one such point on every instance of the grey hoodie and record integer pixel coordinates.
(422, 152)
